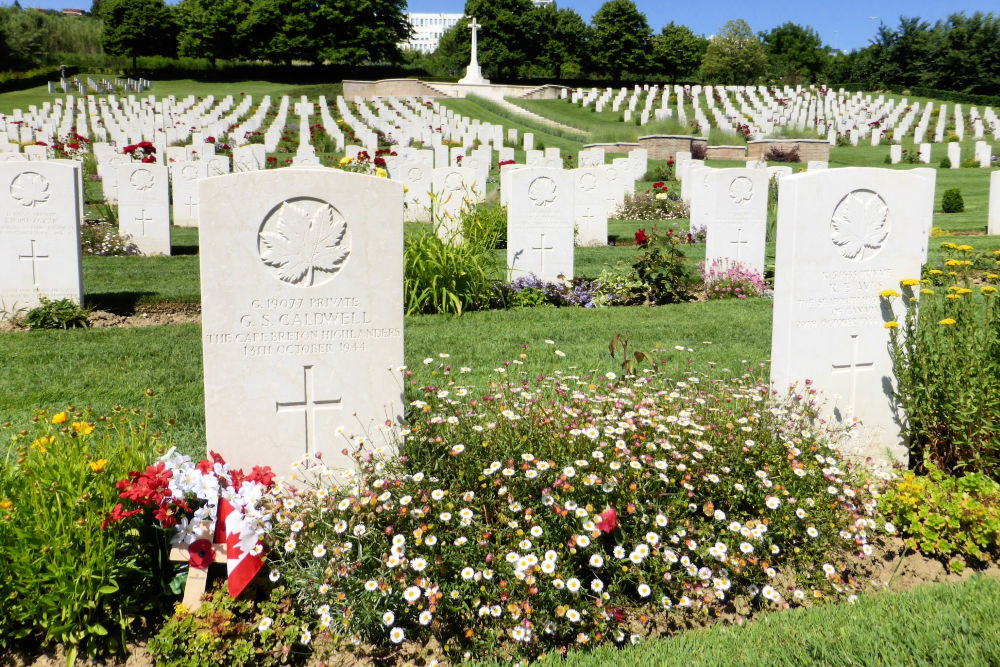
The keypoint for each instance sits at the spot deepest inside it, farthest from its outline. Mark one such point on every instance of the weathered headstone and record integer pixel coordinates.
(540, 223)
(453, 193)
(184, 176)
(39, 235)
(590, 205)
(143, 206)
(845, 235)
(302, 304)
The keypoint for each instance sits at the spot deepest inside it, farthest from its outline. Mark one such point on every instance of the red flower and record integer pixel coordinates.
(272, 159)
(658, 185)
(149, 158)
(607, 520)
(209, 140)
(201, 554)
(379, 162)
(641, 238)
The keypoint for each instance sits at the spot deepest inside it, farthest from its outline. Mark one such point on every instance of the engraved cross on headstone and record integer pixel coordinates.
(739, 243)
(191, 203)
(853, 368)
(308, 405)
(542, 249)
(34, 257)
(588, 214)
(142, 219)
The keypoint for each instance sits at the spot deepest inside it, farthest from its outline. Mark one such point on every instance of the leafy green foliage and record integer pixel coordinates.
(29, 38)
(259, 629)
(59, 314)
(664, 270)
(952, 202)
(735, 55)
(503, 41)
(676, 53)
(942, 515)
(795, 53)
(63, 578)
(947, 365)
(209, 28)
(620, 38)
(134, 28)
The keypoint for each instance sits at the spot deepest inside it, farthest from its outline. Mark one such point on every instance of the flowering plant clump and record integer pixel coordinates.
(643, 206)
(946, 359)
(143, 151)
(663, 268)
(556, 510)
(729, 279)
(100, 237)
(529, 291)
(62, 578)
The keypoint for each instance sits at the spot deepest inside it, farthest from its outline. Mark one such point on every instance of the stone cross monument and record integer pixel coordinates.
(473, 75)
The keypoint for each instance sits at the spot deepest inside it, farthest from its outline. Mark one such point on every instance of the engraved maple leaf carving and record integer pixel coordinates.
(299, 244)
(542, 191)
(860, 225)
(30, 189)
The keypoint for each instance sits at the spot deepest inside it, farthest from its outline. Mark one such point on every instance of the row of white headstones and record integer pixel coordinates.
(302, 280)
(762, 110)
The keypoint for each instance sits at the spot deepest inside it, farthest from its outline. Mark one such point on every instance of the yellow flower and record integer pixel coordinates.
(406, 188)
(927, 291)
(952, 262)
(40, 445)
(992, 276)
(98, 465)
(344, 161)
(954, 296)
(963, 290)
(59, 418)
(935, 272)
(948, 321)
(988, 289)
(83, 427)
(888, 292)
(964, 248)
(381, 173)
(949, 245)
(6, 504)
(891, 325)
(909, 282)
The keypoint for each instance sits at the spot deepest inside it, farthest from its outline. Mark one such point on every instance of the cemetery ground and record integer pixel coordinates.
(710, 341)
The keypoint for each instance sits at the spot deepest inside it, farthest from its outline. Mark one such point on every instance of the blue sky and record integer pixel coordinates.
(845, 24)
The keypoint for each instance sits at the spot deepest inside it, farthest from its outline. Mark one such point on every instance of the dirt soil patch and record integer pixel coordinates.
(145, 315)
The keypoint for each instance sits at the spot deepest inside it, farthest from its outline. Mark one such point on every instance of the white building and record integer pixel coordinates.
(427, 30)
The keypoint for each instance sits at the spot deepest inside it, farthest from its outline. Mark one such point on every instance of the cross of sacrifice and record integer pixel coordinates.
(739, 243)
(474, 26)
(853, 368)
(309, 405)
(197, 578)
(142, 219)
(34, 257)
(542, 249)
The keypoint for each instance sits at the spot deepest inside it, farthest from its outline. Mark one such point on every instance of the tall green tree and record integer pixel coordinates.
(359, 31)
(282, 31)
(502, 41)
(556, 43)
(620, 38)
(902, 55)
(734, 56)
(676, 53)
(965, 54)
(795, 53)
(452, 54)
(209, 28)
(134, 28)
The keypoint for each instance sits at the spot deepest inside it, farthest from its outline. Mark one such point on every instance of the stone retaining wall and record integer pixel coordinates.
(809, 149)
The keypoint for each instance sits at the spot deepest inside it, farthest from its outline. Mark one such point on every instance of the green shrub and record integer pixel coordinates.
(664, 270)
(61, 314)
(63, 577)
(952, 202)
(947, 365)
(224, 631)
(945, 162)
(486, 226)
(941, 515)
(450, 276)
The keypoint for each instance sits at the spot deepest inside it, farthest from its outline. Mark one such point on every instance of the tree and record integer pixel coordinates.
(502, 40)
(282, 31)
(358, 31)
(620, 38)
(452, 54)
(209, 28)
(676, 52)
(134, 28)
(556, 44)
(795, 53)
(734, 56)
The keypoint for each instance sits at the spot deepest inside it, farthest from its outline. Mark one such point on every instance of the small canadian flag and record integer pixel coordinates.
(241, 545)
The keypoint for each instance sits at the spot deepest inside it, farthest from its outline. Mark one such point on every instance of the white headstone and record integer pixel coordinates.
(955, 154)
(302, 304)
(993, 216)
(737, 221)
(143, 206)
(453, 192)
(39, 235)
(540, 223)
(184, 176)
(844, 235)
(590, 205)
